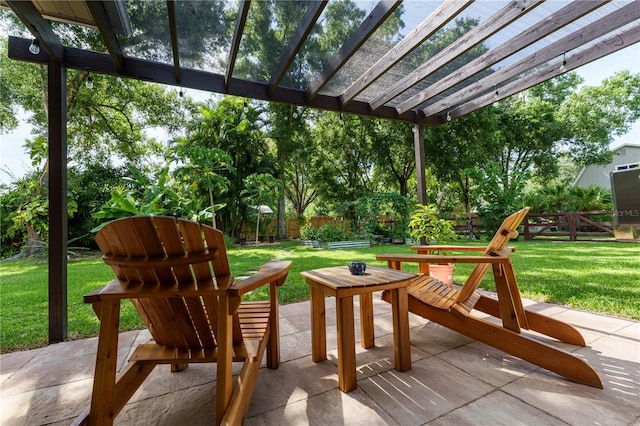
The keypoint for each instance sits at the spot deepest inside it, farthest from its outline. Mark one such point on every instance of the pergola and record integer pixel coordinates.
(511, 46)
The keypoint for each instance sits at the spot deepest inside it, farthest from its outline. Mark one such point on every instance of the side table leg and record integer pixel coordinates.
(346, 344)
(401, 340)
(367, 338)
(318, 326)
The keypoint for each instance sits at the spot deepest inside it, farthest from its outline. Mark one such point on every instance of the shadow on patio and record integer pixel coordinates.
(453, 380)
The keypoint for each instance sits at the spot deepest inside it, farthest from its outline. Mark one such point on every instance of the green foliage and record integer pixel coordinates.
(141, 196)
(595, 114)
(393, 150)
(90, 197)
(330, 233)
(308, 232)
(30, 219)
(343, 157)
(425, 223)
(232, 126)
(369, 208)
(561, 198)
(325, 234)
(501, 194)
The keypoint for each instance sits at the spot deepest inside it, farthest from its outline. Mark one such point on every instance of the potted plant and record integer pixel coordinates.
(425, 225)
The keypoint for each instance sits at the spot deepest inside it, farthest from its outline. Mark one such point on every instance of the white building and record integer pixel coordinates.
(625, 157)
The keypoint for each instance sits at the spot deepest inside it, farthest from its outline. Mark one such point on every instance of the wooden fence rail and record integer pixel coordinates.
(569, 226)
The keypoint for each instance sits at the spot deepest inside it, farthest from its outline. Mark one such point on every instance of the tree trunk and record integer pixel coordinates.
(282, 218)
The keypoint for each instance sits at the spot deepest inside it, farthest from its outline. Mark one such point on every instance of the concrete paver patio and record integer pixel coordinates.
(454, 380)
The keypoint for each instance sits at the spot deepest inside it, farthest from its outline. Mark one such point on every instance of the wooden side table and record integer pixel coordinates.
(340, 283)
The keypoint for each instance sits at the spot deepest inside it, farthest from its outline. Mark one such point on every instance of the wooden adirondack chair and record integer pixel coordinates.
(177, 276)
(452, 307)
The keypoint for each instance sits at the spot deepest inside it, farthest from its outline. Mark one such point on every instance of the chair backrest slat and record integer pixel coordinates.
(172, 241)
(151, 243)
(507, 230)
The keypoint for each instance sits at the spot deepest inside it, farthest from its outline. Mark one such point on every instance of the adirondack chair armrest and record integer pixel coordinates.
(426, 258)
(430, 248)
(271, 272)
(118, 290)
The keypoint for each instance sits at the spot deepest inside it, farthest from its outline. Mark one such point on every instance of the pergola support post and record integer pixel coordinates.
(418, 140)
(58, 226)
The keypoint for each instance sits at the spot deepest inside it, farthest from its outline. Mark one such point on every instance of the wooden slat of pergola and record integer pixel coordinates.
(243, 11)
(604, 25)
(427, 28)
(563, 17)
(597, 51)
(362, 34)
(109, 37)
(297, 41)
(472, 38)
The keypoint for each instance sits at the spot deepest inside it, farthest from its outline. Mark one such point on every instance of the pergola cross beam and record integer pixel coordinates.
(39, 27)
(597, 51)
(473, 37)
(599, 28)
(375, 19)
(434, 22)
(552, 23)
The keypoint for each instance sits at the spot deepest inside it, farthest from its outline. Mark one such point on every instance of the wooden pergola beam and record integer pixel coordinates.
(427, 28)
(108, 35)
(241, 20)
(173, 29)
(297, 41)
(157, 72)
(39, 27)
(475, 36)
(371, 23)
(537, 32)
(597, 51)
(604, 25)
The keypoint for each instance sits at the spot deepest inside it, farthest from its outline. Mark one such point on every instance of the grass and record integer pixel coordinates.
(599, 277)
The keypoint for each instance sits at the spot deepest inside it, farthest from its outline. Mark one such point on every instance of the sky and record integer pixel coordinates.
(14, 160)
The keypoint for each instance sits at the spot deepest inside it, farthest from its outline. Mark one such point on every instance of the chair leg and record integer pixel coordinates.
(542, 324)
(103, 397)
(538, 353)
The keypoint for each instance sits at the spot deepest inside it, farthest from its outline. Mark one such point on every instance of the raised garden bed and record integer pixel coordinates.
(336, 245)
(348, 244)
(310, 243)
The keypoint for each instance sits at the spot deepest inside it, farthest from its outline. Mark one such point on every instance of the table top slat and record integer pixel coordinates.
(339, 277)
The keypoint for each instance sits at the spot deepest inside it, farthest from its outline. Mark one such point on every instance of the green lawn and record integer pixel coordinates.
(600, 277)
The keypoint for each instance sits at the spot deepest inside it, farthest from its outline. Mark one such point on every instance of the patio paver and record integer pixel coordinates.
(454, 380)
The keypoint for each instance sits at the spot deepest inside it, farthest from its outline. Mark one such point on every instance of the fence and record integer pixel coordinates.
(562, 226)
(569, 226)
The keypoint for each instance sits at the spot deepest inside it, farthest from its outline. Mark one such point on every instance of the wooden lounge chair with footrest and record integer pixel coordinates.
(452, 307)
(176, 274)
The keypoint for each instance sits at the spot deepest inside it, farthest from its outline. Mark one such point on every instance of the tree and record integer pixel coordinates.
(501, 193)
(392, 144)
(103, 123)
(343, 165)
(201, 168)
(465, 144)
(261, 189)
(595, 114)
(261, 50)
(232, 126)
